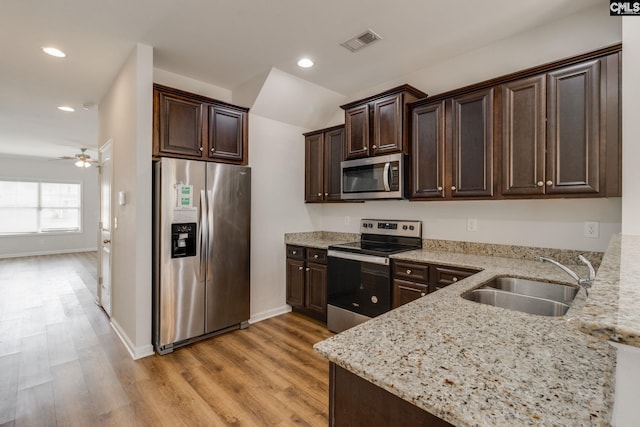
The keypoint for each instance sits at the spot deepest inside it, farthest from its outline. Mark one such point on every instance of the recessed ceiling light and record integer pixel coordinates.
(305, 63)
(66, 108)
(54, 52)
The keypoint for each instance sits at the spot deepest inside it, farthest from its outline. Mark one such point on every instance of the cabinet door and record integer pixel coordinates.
(573, 137)
(333, 155)
(180, 126)
(404, 292)
(523, 136)
(314, 169)
(316, 297)
(295, 282)
(427, 151)
(227, 134)
(472, 145)
(387, 125)
(356, 132)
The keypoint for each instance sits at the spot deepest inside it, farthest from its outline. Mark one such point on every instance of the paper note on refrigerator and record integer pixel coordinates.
(185, 196)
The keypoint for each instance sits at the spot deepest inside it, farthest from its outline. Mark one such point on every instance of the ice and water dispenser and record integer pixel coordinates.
(183, 240)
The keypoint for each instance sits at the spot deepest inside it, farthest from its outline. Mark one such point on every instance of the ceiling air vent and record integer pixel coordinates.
(360, 41)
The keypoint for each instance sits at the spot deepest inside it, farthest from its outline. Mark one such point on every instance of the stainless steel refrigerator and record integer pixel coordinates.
(202, 218)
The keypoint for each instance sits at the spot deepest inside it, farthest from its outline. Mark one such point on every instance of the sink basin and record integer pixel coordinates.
(528, 296)
(517, 302)
(552, 291)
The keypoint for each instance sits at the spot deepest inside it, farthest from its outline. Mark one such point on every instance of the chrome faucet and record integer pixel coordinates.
(584, 283)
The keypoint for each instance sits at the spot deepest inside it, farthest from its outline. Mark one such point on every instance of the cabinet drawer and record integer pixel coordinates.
(317, 255)
(444, 276)
(295, 252)
(411, 271)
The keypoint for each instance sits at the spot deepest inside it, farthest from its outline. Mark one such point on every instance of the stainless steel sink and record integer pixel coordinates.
(552, 291)
(528, 296)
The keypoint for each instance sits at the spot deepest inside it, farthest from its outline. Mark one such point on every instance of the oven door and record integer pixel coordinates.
(358, 288)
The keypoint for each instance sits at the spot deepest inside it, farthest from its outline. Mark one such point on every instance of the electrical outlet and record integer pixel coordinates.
(592, 229)
(472, 224)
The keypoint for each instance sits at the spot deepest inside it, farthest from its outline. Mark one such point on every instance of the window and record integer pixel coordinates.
(39, 207)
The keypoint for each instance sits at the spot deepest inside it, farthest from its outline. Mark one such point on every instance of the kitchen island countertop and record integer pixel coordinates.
(474, 364)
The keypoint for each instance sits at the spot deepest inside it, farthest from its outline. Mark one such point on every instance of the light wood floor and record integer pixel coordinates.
(61, 363)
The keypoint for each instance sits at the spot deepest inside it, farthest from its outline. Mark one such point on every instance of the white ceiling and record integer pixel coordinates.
(225, 43)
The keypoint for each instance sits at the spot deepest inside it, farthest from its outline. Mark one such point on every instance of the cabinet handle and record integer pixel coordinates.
(453, 188)
(213, 149)
(201, 149)
(549, 182)
(307, 269)
(408, 271)
(300, 268)
(326, 194)
(439, 188)
(422, 294)
(294, 252)
(374, 147)
(540, 183)
(319, 194)
(455, 279)
(315, 256)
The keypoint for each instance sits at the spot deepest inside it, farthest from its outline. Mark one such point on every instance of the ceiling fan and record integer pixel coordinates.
(83, 160)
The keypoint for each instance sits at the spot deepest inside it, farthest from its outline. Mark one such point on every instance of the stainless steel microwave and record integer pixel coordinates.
(372, 178)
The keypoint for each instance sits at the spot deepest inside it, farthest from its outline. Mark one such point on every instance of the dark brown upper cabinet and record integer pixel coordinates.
(548, 131)
(452, 147)
(573, 129)
(324, 149)
(227, 134)
(560, 132)
(428, 151)
(472, 145)
(524, 136)
(191, 126)
(379, 124)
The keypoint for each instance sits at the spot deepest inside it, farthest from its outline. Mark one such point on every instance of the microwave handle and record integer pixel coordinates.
(385, 174)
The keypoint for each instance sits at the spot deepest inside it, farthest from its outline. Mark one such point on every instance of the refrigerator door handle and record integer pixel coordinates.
(203, 234)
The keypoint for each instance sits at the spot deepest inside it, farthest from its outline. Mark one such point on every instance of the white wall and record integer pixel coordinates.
(540, 223)
(631, 126)
(177, 81)
(628, 361)
(276, 153)
(125, 117)
(44, 170)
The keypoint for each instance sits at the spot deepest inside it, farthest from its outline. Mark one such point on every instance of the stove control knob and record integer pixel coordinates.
(408, 271)
(404, 227)
(411, 227)
(374, 299)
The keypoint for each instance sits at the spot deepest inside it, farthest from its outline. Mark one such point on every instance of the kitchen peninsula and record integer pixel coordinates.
(473, 364)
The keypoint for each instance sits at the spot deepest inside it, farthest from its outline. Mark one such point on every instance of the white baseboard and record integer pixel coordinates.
(56, 252)
(135, 352)
(264, 315)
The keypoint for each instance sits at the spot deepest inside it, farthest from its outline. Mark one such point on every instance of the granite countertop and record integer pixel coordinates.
(613, 310)
(474, 364)
(319, 239)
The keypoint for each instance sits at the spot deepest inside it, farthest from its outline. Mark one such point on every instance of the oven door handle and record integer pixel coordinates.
(359, 257)
(385, 174)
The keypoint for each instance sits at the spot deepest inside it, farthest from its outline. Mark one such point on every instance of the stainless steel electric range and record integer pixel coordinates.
(359, 273)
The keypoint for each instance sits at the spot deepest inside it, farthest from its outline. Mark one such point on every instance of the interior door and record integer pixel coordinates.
(104, 242)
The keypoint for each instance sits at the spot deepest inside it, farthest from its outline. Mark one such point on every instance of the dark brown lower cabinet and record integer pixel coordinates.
(413, 280)
(307, 281)
(354, 401)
